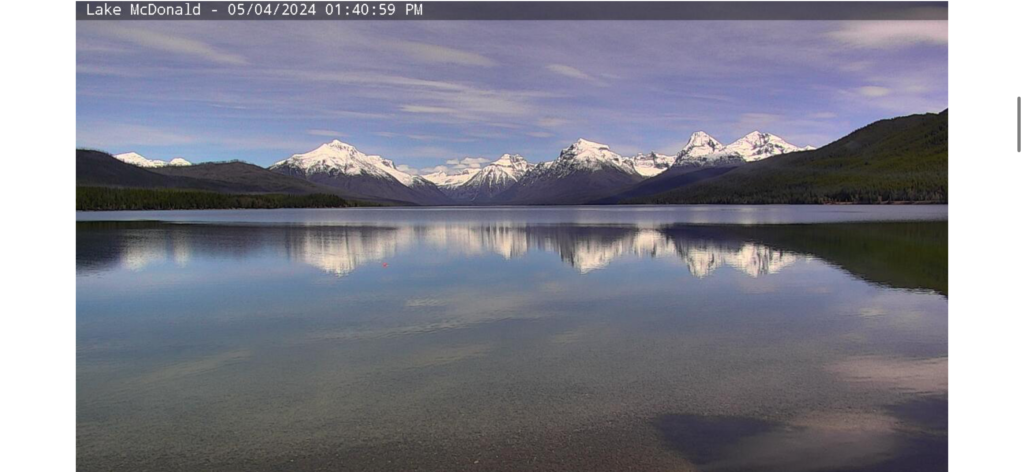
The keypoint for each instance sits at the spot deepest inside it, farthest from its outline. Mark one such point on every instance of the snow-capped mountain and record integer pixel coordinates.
(757, 145)
(443, 180)
(139, 160)
(591, 156)
(337, 157)
(700, 146)
(341, 165)
(479, 185)
(493, 179)
(652, 163)
(507, 167)
(583, 172)
(702, 149)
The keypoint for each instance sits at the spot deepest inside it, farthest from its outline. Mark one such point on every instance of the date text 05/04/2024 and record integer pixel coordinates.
(267, 9)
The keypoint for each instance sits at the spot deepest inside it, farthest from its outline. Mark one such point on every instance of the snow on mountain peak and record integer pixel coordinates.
(337, 157)
(592, 156)
(134, 158)
(651, 164)
(512, 164)
(509, 160)
(339, 144)
(759, 137)
(754, 146)
(757, 145)
(585, 144)
(139, 160)
(701, 136)
(480, 184)
(700, 145)
(501, 173)
(445, 180)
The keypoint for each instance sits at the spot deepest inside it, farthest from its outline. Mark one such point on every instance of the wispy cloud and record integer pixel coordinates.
(113, 71)
(424, 137)
(366, 78)
(551, 122)
(574, 73)
(430, 53)
(409, 170)
(110, 135)
(121, 137)
(431, 170)
(428, 109)
(152, 39)
(431, 152)
(250, 143)
(892, 34)
(468, 162)
(873, 91)
(326, 132)
(748, 122)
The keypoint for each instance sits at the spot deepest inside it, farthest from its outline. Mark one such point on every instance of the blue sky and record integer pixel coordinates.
(434, 93)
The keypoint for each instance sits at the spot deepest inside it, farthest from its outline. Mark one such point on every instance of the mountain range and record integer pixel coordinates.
(901, 159)
(583, 172)
(753, 169)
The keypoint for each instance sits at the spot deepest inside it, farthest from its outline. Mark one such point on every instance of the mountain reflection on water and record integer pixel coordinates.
(446, 342)
(898, 254)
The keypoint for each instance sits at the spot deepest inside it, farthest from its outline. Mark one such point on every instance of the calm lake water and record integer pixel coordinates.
(560, 338)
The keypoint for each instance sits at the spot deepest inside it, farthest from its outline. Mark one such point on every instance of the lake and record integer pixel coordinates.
(775, 338)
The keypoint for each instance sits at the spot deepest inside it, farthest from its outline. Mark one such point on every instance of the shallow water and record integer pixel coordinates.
(514, 339)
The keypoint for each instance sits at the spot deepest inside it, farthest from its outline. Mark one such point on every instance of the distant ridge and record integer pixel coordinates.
(237, 176)
(99, 169)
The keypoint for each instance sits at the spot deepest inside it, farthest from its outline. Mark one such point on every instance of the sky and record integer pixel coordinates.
(445, 95)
